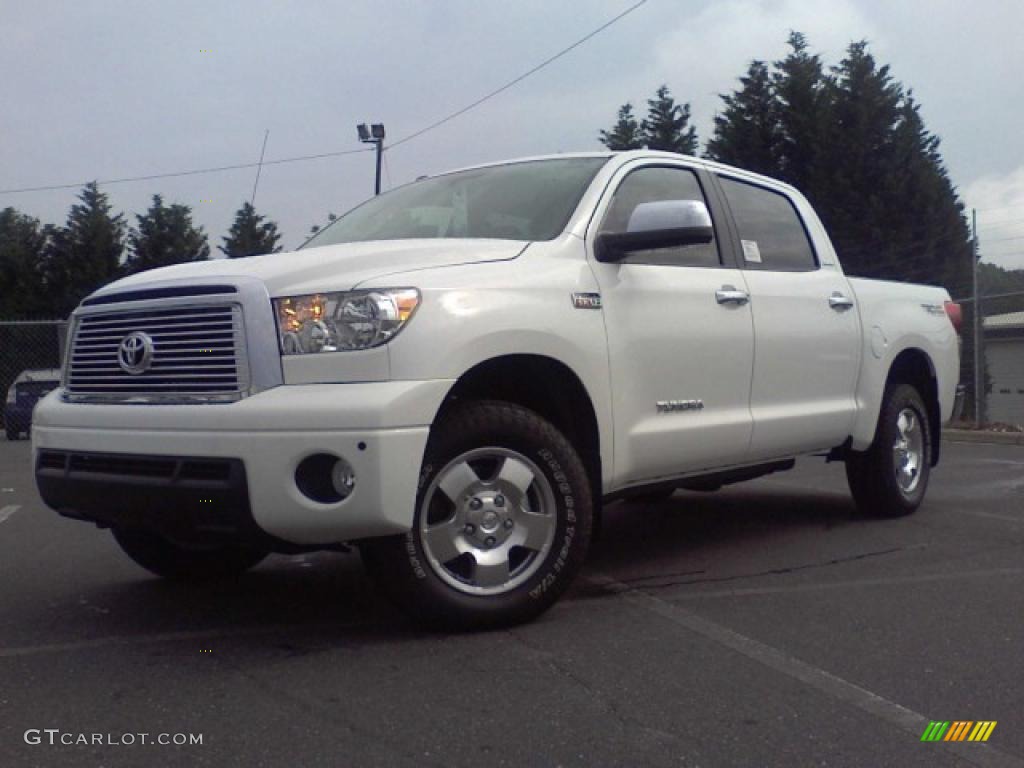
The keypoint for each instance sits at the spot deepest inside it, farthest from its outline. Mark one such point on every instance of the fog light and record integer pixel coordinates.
(343, 478)
(325, 478)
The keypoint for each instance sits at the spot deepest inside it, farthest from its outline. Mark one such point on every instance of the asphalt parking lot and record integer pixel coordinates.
(765, 624)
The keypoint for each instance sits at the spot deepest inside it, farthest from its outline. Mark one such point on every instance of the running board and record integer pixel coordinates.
(711, 481)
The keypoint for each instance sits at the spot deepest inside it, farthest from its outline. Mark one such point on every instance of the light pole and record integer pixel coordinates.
(373, 135)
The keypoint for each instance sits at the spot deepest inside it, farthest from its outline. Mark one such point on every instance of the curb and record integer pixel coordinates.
(981, 436)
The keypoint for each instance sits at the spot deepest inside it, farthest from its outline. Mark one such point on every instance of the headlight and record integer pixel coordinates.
(336, 322)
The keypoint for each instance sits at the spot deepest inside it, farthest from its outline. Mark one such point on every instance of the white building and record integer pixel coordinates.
(1004, 353)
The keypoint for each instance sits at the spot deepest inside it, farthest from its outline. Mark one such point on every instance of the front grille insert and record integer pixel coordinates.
(198, 352)
(169, 468)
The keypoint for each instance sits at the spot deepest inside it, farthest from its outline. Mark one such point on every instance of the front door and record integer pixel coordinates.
(680, 339)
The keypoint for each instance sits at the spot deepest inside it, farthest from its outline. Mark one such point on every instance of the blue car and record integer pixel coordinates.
(28, 389)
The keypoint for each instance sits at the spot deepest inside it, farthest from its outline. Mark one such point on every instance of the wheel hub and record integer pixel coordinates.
(488, 520)
(908, 450)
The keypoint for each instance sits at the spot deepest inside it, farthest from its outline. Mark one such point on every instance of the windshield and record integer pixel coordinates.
(518, 201)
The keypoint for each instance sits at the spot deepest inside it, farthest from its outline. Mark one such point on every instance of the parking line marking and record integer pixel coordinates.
(991, 515)
(6, 512)
(908, 720)
(168, 637)
(826, 586)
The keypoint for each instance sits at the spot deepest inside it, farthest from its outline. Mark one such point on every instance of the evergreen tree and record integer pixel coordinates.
(994, 280)
(626, 133)
(250, 235)
(22, 246)
(747, 130)
(667, 125)
(865, 109)
(165, 235)
(799, 82)
(85, 253)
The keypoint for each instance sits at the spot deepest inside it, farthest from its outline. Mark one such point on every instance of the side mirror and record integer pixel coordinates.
(658, 224)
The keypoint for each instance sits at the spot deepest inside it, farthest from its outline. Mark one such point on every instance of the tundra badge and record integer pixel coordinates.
(668, 406)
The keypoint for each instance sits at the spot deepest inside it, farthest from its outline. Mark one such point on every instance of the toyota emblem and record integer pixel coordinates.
(135, 353)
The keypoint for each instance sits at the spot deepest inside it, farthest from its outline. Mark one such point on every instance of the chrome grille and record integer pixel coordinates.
(198, 353)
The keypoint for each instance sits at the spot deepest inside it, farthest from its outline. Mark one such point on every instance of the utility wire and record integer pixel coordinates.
(519, 79)
(1016, 207)
(194, 172)
(1004, 239)
(301, 158)
(999, 223)
(252, 200)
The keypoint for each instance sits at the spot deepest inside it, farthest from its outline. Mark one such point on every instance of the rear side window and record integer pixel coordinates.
(655, 184)
(772, 233)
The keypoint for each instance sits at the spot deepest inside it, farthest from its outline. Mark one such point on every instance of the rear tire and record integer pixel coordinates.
(891, 477)
(177, 563)
(12, 434)
(502, 524)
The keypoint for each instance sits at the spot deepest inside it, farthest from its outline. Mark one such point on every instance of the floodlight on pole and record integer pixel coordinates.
(373, 135)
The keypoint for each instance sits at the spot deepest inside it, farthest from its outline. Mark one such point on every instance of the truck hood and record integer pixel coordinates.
(331, 267)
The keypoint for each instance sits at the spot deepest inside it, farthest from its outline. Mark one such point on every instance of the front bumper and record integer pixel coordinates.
(380, 428)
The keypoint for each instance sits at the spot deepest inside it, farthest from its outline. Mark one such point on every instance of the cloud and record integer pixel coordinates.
(999, 201)
(705, 54)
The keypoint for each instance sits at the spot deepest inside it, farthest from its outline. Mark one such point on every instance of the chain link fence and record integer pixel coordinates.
(1000, 332)
(33, 345)
(28, 345)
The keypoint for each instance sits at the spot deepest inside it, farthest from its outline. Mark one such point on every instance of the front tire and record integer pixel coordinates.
(502, 524)
(890, 478)
(177, 563)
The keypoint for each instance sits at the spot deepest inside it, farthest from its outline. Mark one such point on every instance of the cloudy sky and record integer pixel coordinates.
(115, 88)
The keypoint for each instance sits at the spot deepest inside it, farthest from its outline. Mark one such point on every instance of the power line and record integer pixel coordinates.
(252, 200)
(302, 158)
(1001, 222)
(520, 78)
(1016, 207)
(1004, 239)
(194, 172)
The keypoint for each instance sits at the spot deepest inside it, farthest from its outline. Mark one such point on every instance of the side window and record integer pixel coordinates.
(771, 231)
(647, 185)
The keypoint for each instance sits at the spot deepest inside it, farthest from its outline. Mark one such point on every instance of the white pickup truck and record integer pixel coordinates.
(457, 374)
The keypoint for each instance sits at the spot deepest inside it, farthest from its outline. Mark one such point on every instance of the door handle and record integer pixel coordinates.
(838, 302)
(729, 294)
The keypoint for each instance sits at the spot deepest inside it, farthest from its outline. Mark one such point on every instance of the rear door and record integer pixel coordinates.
(681, 358)
(806, 327)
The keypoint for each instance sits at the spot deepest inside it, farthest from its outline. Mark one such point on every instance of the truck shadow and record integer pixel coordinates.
(692, 520)
(328, 594)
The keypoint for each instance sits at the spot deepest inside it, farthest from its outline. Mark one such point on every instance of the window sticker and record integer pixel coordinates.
(750, 251)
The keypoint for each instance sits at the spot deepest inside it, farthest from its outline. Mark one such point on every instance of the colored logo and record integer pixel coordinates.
(135, 353)
(958, 730)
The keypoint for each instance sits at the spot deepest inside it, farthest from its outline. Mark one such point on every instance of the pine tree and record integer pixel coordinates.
(747, 130)
(799, 82)
(85, 253)
(667, 125)
(165, 235)
(22, 247)
(865, 110)
(626, 133)
(250, 235)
